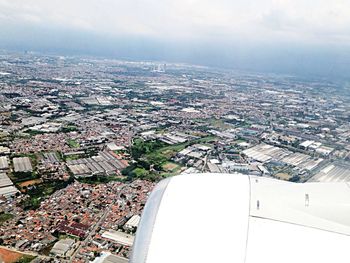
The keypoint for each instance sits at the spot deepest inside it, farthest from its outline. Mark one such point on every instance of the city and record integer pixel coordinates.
(85, 140)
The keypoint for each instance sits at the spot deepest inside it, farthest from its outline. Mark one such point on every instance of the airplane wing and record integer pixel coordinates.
(238, 218)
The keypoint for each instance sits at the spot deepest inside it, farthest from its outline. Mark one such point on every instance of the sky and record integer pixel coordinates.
(289, 36)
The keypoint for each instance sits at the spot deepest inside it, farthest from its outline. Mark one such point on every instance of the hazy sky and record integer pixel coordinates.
(261, 34)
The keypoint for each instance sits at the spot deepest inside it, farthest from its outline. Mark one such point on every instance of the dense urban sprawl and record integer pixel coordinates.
(84, 140)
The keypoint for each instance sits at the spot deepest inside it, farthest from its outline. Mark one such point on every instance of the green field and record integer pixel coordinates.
(73, 143)
(171, 169)
(221, 124)
(153, 158)
(69, 128)
(5, 217)
(25, 259)
(101, 179)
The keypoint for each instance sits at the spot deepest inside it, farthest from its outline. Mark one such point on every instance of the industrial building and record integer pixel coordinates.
(267, 153)
(22, 164)
(334, 172)
(50, 158)
(5, 180)
(106, 163)
(4, 163)
(107, 257)
(119, 237)
(7, 189)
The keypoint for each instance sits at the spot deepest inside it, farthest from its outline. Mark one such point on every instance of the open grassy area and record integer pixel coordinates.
(22, 177)
(171, 169)
(5, 217)
(74, 157)
(221, 124)
(283, 176)
(73, 143)
(69, 128)
(34, 132)
(153, 158)
(171, 150)
(101, 179)
(25, 259)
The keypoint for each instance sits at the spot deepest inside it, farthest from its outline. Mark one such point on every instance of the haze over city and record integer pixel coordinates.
(293, 37)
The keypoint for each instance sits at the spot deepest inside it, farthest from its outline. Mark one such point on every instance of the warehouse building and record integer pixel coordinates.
(334, 172)
(107, 257)
(106, 163)
(63, 248)
(4, 163)
(22, 164)
(50, 158)
(7, 189)
(119, 237)
(5, 180)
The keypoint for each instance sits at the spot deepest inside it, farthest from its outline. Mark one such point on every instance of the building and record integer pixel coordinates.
(7, 189)
(5, 180)
(119, 237)
(22, 165)
(333, 172)
(133, 222)
(63, 248)
(113, 147)
(107, 257)
(4, 164)
(106, 163)
(4, 150)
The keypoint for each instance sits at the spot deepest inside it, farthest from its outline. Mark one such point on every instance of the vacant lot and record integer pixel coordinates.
(8, 256)
(283, 176)
(30, 182)
(170, 167)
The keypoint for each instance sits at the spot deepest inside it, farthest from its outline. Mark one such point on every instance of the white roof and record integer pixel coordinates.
(22, 164)
(306, 143)
(133, 221)
(4, 162)
(62, 246)
(108, 257)
(237, 218)
(119, 237)
(8, 191)
(113, 147)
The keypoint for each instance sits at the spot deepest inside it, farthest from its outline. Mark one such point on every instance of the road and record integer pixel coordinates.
(92, 232)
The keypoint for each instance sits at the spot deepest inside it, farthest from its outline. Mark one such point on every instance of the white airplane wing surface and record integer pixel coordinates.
(236, 218)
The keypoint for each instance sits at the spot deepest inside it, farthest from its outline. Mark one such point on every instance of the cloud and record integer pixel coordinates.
(258, 20)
